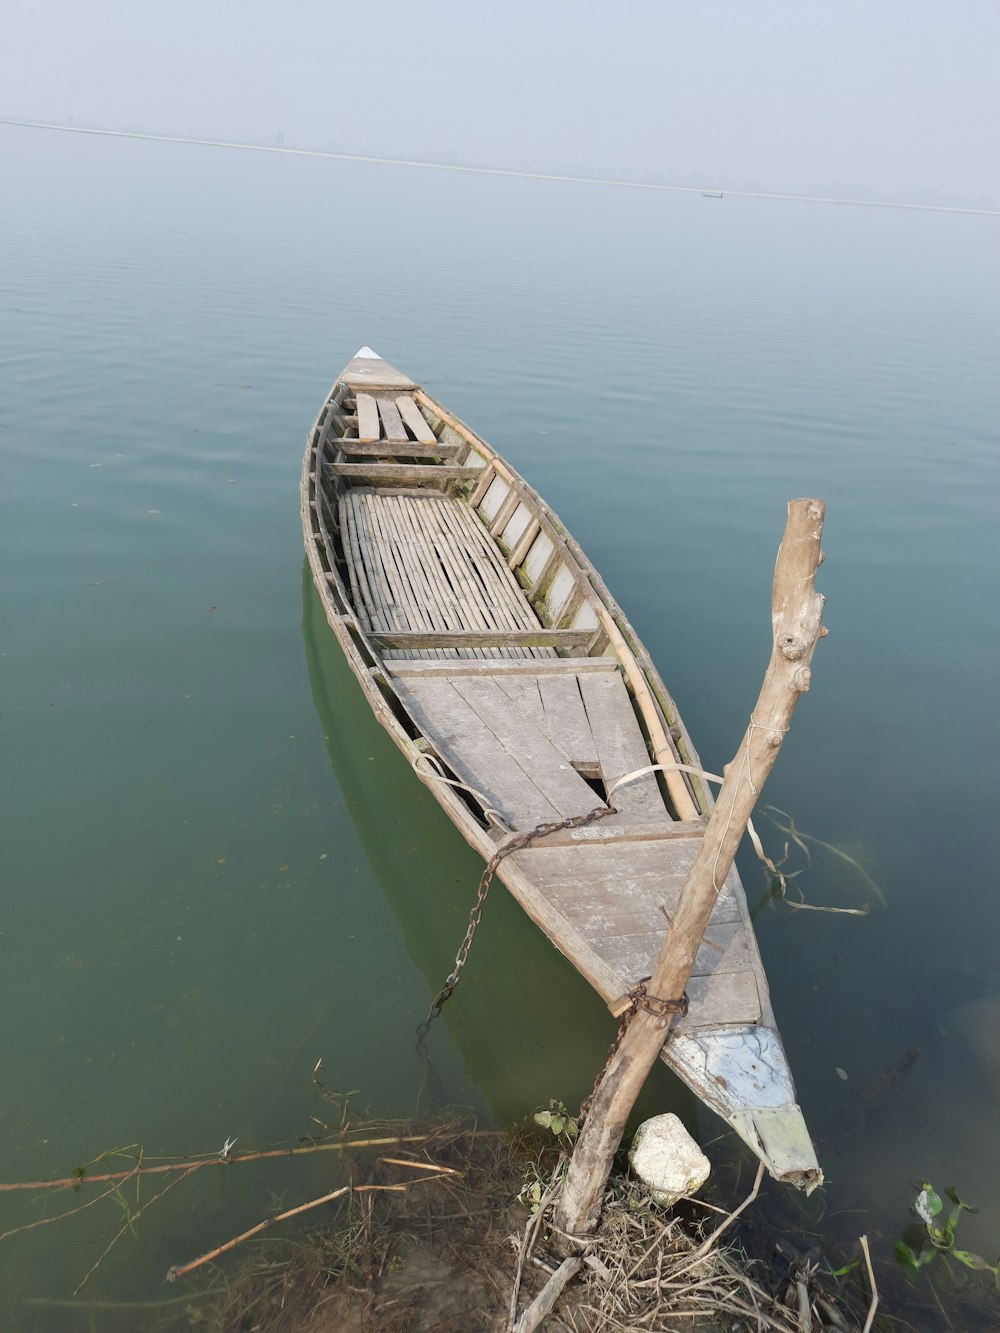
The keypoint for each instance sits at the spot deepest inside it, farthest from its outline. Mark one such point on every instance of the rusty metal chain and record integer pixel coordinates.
(637, 998)
(513, 844)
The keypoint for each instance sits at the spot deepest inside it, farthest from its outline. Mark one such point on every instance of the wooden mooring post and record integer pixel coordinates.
(796, 614)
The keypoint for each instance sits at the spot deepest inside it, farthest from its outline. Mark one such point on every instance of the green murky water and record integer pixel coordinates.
(216, 868)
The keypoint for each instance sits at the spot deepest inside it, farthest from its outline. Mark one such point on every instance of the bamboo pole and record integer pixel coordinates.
(180, 1270)
(796, 615)
(663, 751)
(218, 1159)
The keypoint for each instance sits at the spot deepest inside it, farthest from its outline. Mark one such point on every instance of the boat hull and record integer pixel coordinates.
(491, 651)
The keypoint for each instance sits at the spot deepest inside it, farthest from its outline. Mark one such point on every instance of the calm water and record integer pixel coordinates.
(216, 868)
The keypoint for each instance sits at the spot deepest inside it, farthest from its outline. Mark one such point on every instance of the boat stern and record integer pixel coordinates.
(742, 1073)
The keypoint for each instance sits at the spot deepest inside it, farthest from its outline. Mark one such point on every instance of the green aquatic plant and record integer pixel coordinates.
(558, 1120)
(933, 1234)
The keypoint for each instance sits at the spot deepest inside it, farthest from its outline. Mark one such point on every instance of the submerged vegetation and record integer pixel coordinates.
(933, 1234)
(447, 1226)
(442, 1226)
(782, 885)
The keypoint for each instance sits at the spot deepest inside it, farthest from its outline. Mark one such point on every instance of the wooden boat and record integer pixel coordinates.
(491, 651)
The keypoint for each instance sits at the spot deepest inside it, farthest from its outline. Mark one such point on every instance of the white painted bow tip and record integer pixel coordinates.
(367, 353)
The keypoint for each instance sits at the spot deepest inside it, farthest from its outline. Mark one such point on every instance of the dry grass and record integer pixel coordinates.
(432, 1231)
(443, 1256)
(650, 1269)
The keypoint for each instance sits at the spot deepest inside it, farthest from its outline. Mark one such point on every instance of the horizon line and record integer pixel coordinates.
(498, 171)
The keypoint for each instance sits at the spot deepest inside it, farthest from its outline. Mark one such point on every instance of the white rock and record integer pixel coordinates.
(667, 1160)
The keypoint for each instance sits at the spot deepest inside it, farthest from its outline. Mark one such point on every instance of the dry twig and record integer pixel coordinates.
(127, 1225)
(530, 1236)
(547, 1297)
(179, 1270)
(234, 1159)
(70, 1212)
(871, 1282)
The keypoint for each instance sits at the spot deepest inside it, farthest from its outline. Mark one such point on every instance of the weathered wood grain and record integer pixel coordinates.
(499, 580)
(385, 581)
(360, 592)
(407, 604)
(548, 767)
(374, 373)
(622, 829)
(504, 514)
(428, 574)
(465, 543)
(368, 425)
(485, 638)
(407, 474)
(523, 544)
(620, 746)
(472, 750)
(466, 573)
(395, 449)
(523, 693)
(391, 420)
(566, 721)
(486, 476)
(414, 418)
(506, 666)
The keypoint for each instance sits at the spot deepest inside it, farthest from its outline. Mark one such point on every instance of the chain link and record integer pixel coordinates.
(513, 844)
(638, 998)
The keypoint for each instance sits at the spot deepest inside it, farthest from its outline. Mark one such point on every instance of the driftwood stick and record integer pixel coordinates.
(342, 1145)
(129, 1225)
(179, 1270)
(796, 615)
(549, 1294)
(531, 1230)
(706, 1245)
(58, 1217)
(421, 1166)
(870, 1319)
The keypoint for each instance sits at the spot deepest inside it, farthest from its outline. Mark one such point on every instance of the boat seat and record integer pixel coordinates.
(426, 563)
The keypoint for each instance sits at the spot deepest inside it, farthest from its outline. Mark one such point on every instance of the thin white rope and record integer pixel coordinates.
(758, 726)
(661, 768)
(758, 846)
(493, 816)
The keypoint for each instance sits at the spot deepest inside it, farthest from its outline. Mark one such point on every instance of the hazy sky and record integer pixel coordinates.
(896, 99)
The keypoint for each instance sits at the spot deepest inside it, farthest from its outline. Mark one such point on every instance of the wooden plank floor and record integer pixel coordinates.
(414, 419)
(556, 729)
(516, 739)
(606, 903)
(617, 901)
(425, 563)
(485, 753)
(524, 741)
